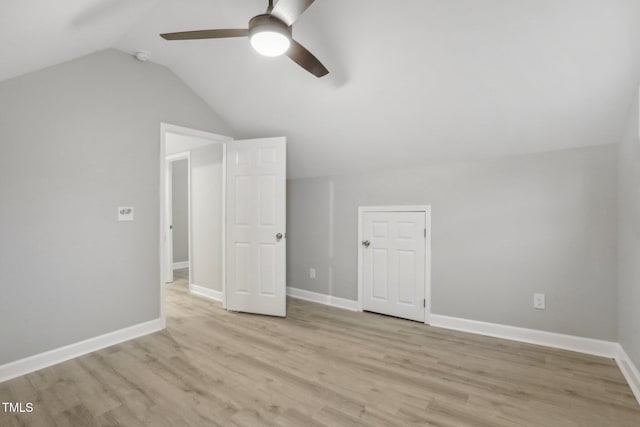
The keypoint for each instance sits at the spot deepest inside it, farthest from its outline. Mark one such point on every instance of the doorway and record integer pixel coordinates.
(237, 219)
(196, 157)
(178, 191)
(394, 261)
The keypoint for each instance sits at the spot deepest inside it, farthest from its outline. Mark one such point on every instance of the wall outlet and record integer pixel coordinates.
(312, 273)
(539, 301)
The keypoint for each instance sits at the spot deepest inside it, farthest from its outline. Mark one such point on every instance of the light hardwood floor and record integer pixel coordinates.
(320, 366)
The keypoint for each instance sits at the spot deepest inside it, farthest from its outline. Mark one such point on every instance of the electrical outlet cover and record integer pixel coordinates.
(539, 301)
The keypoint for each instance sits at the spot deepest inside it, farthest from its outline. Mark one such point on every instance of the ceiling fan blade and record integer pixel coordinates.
(206, 34)
(306, 60)
(288, 11)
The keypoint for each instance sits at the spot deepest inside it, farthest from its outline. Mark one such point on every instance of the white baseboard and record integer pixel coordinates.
(180, 265)
(630, 371)
(62, 354)
(206, 292)
(531, 336)
(346, 304)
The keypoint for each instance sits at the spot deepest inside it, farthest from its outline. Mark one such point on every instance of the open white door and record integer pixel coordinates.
(256, 226)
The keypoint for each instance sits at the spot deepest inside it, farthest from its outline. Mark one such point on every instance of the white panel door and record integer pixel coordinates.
(394, 246)
(256, 226)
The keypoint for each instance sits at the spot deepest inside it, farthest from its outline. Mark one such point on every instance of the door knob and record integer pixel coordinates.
(366, 243)
(279, 237)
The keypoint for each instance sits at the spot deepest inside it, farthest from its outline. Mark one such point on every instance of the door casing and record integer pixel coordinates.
(427, 276)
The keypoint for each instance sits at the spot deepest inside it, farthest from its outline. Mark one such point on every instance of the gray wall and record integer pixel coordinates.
(206, 215)
(180, 209)
(629, 237)
(78, 140)
(502, 230)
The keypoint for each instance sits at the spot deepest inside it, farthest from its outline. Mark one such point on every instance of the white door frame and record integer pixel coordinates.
(169, 212)
(427, 253)
(166, 128)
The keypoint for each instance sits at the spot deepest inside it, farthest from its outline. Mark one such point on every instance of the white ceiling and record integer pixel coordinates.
(40, 33)
(412, 82)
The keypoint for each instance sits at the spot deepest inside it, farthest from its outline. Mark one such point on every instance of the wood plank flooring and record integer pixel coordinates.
(320, 366)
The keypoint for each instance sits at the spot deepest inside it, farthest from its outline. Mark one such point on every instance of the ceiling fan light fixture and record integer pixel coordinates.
(270, 43)
(269, 36)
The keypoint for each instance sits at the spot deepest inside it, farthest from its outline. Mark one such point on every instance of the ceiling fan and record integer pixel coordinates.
(270, 34)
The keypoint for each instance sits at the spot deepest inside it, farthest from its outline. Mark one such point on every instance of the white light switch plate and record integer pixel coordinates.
(312, 273)
(125, 213)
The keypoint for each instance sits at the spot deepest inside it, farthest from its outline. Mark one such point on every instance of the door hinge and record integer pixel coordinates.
(425, 232)
(424, 303)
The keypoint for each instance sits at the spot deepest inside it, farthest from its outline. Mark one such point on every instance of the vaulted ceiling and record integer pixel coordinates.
(412, 82)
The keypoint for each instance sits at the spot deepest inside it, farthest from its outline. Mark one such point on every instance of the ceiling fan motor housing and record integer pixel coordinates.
(267, 22)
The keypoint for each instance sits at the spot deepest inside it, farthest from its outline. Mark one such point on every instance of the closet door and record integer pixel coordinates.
(394, 264)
